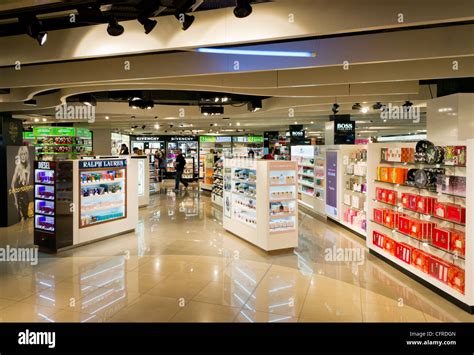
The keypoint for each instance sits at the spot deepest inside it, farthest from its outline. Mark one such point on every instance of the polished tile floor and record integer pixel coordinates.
(180, 265)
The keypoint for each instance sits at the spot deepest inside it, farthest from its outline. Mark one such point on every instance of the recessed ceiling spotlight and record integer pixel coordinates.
(114, 29)
(44, 120)
(106, 117)
(377, 106)
(238, 123)
(364, 109)
(312, 122)
(132, 129)
(157, 126)
(36, 119)
(296, 122)
(242, 8)
(225, 99)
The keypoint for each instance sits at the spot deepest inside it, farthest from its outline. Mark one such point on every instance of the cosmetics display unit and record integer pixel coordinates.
(242, 145)
(55, 143)
(143, 177)
(420, 198)
(311, 176)
(220, 145)
(260, 202)
(346, 186)
(218, 182)
(80, 201)
(208, 172)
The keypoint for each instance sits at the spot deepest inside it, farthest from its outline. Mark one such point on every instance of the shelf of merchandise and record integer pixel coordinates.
(454, 270)
(102, 201)
(76, 140)
(346, 202)
(218, 182)
(311, 176)
(266, 212)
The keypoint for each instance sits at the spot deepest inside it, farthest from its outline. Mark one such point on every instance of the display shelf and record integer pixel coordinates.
(306, 193)
(400, 208)
(270, 223)
(424, 242)
(422, 164)
(441, 252)
(307, 175)
(304, 183)
(419, 188)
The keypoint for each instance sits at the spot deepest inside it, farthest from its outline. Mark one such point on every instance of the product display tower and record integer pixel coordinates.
(260, 202)
(421, 199)
(346, 186)
(311, 174)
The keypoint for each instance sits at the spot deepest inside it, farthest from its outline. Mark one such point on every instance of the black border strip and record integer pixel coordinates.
(447, 296)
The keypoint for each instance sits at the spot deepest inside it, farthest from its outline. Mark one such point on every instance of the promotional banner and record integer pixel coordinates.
(20, 183)
(331, 184)
(344, 132)
(11, 130)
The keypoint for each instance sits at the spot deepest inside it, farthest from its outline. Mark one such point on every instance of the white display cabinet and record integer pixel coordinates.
(346, 186)
(81, 201)
(311, 174)
(218, 182)
(419, 215)
(260, 202)
(143, 177)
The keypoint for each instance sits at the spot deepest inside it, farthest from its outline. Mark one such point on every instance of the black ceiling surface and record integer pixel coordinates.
(56, 15)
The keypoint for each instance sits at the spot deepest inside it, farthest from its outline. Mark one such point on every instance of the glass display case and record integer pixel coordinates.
(102, 192)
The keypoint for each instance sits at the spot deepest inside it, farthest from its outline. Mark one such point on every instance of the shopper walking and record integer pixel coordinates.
(179, 164)
(124, 149)
(162, 165)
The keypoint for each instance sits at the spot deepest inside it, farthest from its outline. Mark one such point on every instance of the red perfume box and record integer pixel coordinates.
(458, 242)
(420, 260)
(440, 210)
(421, 229)
(456, 278)
(380, 194)
(425, 204)
(378, 215)
(378, 239)
(403, 252)
(438, 268)
(441, 238)
(392, 197)
(389, 245)
(456, 213)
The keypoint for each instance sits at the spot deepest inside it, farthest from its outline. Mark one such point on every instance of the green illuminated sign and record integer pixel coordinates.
(54, 131)
(83, 133)
(28, 135)
(207, 139)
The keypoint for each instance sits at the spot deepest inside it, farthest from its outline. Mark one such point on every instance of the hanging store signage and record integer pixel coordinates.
(146, 138)
(215, 139)
(54, 131)
(182, 139)
(344, 132)
(248, 139)
(83, 133)
(102, 164)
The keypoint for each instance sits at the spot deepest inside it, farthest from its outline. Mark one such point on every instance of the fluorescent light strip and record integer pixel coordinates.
(412, 137)
(257, 52)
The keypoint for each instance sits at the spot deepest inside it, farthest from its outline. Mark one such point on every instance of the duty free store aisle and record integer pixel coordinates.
(180, 251)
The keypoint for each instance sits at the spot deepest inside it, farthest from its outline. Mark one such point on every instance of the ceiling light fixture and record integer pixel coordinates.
(114, 29)
(407, 104)
(106, 117)
(35, 29)
(36, 119)
(377, 106)
(357, 106)
(254, 106)
(335, 108)
(242, 8)
(88, 99)
(147, 24)
(364, 109)
(212, 110)
(297, 54)
(44, 120)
